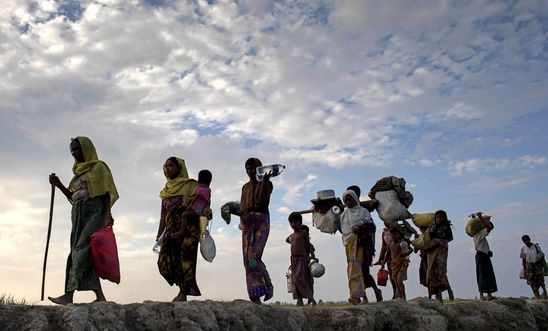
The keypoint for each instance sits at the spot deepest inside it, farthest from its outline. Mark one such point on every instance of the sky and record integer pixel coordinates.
(450, 95)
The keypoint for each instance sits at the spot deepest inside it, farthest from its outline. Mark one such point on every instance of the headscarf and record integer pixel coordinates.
(98, 176)
(352, 216)
(181, 185)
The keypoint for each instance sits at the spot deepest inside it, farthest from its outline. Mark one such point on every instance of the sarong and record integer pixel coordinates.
(399, 268)
(354, 259)
(485, 274)
(437, 269)
(303, 282)
(256, 227)
(87, 217)
(177, 258)
(535, 274)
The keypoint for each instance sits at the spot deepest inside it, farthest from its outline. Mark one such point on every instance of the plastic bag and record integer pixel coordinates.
(390, 209)
(327, 222)
(522, 273)
(382, 277)
(104, 254)
(207, 247)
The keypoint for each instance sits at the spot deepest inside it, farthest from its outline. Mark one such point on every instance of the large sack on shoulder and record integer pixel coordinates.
(422, 242)
(390, 209)
(474, 225)
(392, 183)
(327, 222)
(423, 220)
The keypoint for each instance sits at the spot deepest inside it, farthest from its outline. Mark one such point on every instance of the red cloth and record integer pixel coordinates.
(105, 254)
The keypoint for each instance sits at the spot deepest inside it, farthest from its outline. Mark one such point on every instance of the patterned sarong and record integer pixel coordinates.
(256, 227)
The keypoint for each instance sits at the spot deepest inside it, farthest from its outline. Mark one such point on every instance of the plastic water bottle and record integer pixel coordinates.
(275, 170)
(158, 245)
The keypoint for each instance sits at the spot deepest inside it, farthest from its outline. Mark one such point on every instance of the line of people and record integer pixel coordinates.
(185, 209)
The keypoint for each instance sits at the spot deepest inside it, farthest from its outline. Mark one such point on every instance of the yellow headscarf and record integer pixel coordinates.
(98, 176)
(181, 185)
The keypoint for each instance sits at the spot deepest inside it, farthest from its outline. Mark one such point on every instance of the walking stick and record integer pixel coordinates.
(47, 239)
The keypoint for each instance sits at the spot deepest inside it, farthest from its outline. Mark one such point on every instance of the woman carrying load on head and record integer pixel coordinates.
(179, 250)
(255, 222)
(92, 193)
(437, 252)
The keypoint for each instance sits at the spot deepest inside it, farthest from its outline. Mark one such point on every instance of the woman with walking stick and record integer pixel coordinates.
(92, 193)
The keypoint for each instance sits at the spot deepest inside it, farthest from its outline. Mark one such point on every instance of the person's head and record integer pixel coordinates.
(204, 177)
(295, 221)
(526, 240)
(251, 167)
(350, 198)
(356, 190)
(172, 169)
(440, 217)
(76, 150)
(305, 228)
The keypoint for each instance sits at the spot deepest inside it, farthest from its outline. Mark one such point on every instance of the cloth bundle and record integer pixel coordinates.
(232, 207)
(475, 224)
(327, 222)
(423, 220)
(393, 199)
(422, 242)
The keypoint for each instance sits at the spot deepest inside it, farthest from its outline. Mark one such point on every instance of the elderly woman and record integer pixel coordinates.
(179, 250)
(436, 255)
(92, 193)
(255, 222)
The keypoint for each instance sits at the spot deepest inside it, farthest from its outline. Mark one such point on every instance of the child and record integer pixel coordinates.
(312, 256)
(201, 202)
(303, 283)
(399, 251)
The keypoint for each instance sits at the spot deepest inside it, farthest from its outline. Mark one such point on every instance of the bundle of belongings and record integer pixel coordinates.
(423, 221)
(476, 224)
(232, 207)
(393, 199)
(326, 211)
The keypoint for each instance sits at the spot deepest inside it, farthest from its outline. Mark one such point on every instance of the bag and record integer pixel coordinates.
(327, 222)
(474, 225)
(232, 207)
(207, 247)
(423, 220)
(382, 277)
(104, 254)
(422, 242)
(390, 209)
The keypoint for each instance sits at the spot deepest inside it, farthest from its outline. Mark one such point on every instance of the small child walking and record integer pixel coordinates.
(399, 251)
(301, 253)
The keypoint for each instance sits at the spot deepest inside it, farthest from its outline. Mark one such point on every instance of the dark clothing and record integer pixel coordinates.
(303, 282)
(485, 274)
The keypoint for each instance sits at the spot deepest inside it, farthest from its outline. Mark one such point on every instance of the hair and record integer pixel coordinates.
(525, 237)
(356, 190)
(173, 159)
(253, 161)
(305, 228)
(295, 217)
(205, 176)
(395, 230)
(443, 214)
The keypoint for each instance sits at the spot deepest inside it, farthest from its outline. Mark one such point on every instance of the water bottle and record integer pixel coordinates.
(158, 245)
(275, 170)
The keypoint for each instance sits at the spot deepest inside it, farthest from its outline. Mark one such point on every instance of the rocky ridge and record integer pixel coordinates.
(418, 314)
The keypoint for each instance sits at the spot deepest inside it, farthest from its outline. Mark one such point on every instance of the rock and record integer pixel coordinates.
(418, 314)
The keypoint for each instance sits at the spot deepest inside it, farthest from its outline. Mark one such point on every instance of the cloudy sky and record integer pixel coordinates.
(450, 95)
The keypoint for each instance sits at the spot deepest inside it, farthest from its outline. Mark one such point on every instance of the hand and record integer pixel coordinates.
(208, 213)
(109, 221)
(54, 180)
(267, 176)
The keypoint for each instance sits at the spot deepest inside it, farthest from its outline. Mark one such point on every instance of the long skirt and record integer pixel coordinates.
(423, 270)
(177, 258)
(354, 259)
(256, 227)
(436, 273)
(399, 266)
(303, 282)
(87, 217)
(485, 273)
(535, 274)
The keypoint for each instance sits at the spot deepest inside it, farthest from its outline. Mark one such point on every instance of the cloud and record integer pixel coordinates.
(496, 164)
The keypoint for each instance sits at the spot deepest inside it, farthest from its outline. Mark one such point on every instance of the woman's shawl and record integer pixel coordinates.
(98, 176)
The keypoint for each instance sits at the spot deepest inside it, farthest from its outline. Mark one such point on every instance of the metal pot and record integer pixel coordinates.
(316, 269)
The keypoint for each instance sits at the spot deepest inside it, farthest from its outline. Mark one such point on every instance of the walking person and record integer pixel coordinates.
(436, 256)
(301, 254)
(487, 283)
(181, 225)
(255, 223)
(532, 259)
(92, 193)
